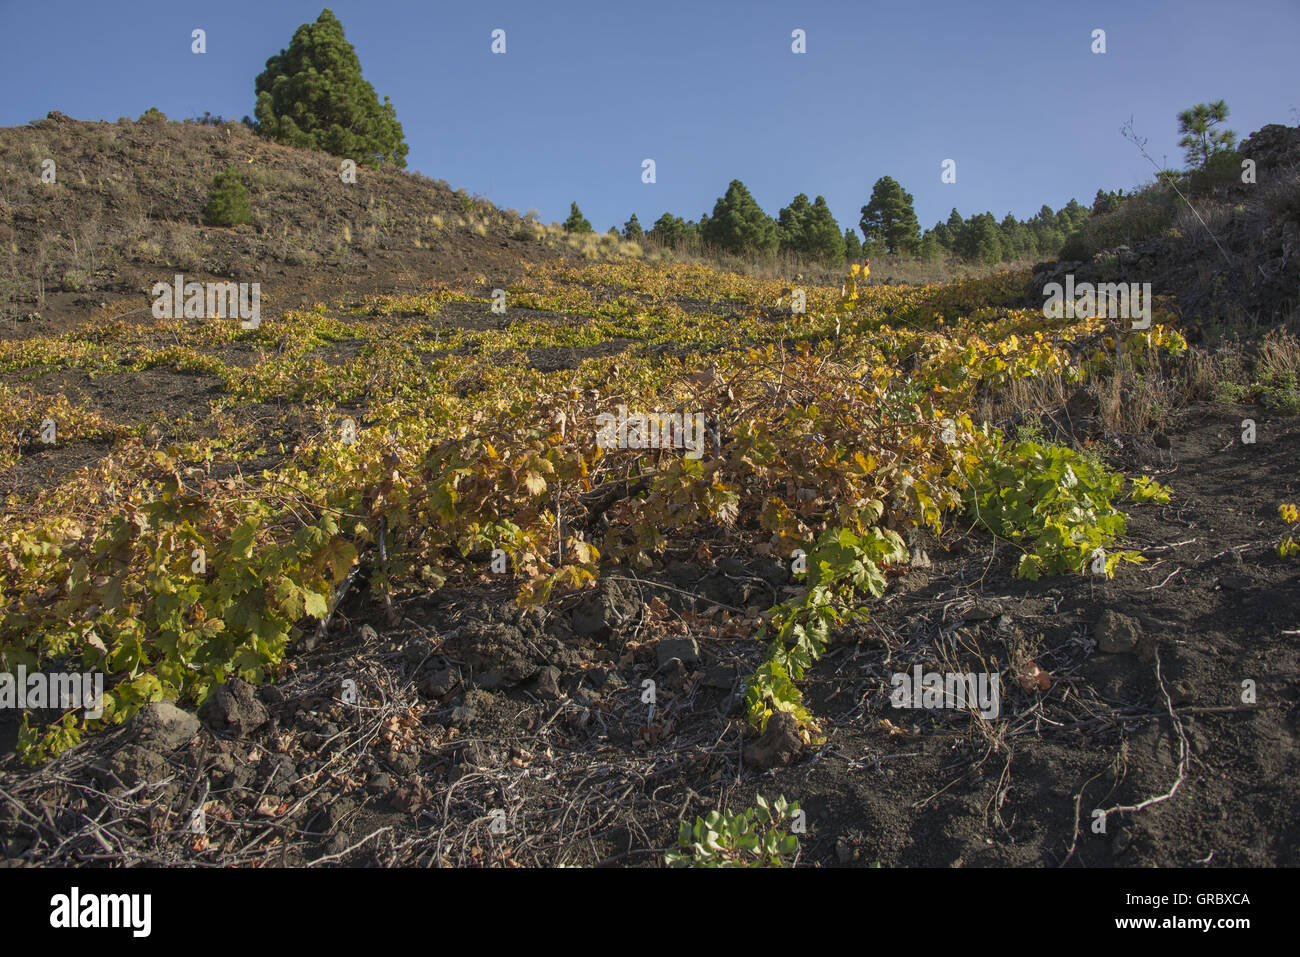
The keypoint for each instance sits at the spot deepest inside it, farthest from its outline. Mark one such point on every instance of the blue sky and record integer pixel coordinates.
(711, 91)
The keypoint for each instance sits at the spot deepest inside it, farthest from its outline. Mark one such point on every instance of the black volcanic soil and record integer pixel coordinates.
(486, 735)
(126, 211)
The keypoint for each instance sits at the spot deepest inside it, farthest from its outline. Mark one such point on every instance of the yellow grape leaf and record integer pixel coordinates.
(314, 604)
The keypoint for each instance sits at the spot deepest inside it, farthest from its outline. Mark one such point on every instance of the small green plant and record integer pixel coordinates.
(227, 201)
(1227, 392)
(1271, 378)
(841, 565)
(1056, 504)
(153, 115)
(756, 838)
(1031, 430)
(74, 280)
(1289, 546)
(1146, 489)
(1281, 391)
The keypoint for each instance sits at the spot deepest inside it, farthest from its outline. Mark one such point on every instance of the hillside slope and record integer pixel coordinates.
(1236, 273)
(126, 210)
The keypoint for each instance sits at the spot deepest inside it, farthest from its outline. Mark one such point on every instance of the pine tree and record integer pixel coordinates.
(668, 230)
(739, 225)
(1049, 240)
(632, 229)
(576, 223)
(1012, 243)
(956, 231)
(888, 219)
(695, 229)
(982, 239)
(822, 238)
(1017, 240)
(227, 201)
(1104, 202)
(930, 250)
(942, 235)
(1071, 216)
(1201, 139)
(852, 246)
(791, 224)
(313, 96)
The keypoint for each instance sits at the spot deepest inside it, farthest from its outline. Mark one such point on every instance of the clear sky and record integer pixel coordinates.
(710, 90)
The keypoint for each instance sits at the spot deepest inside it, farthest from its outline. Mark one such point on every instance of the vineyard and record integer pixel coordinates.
(383, 541)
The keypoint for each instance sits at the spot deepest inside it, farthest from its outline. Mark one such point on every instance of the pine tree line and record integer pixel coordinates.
(888, 224)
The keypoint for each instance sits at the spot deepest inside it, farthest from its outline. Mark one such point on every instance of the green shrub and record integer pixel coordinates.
(74, 280)
(1054, 503)
(1222, 170)
(756, 838)
(227, 201)
(841, 565)
(153, 115)
(1146, 215)
(1281, 391)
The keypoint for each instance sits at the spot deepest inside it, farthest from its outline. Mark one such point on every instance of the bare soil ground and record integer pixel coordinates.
(126, 211)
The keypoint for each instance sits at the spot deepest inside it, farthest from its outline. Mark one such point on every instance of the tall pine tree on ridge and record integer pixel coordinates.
(313, 96)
